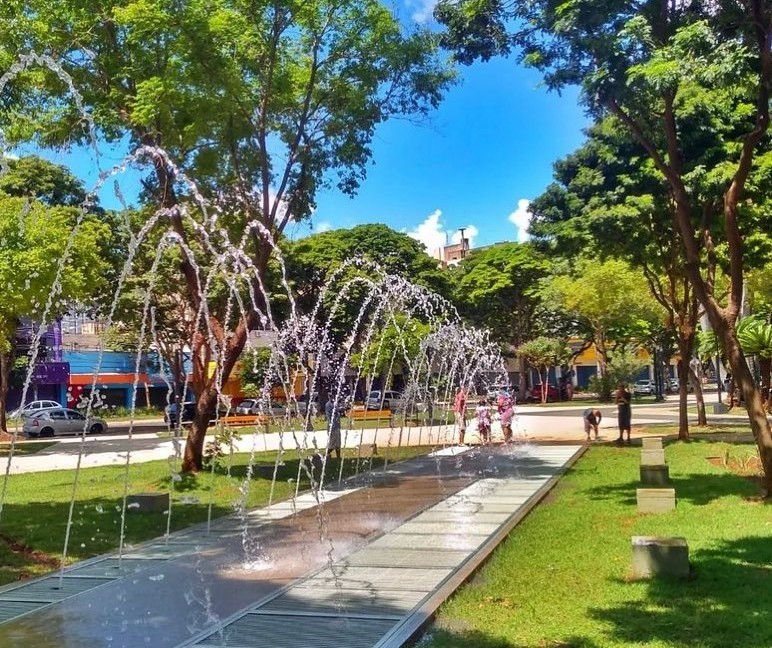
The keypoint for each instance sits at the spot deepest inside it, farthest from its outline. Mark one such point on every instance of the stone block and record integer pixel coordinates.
(147, 502)
(720, 408)
(660, 556)
(367, 450)
(655, 500)
(652, 443)
(652, 457)
(655, 475)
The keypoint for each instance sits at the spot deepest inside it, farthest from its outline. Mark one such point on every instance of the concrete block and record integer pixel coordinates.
(660, 556)
(367, 450)
(655, 500)
(720, 408)
(652, 457)
(652, 443)
(147, 502)
(655, 475)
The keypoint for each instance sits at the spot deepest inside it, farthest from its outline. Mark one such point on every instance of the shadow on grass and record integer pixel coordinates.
(727, 603)
(475, 639)
(698, 489)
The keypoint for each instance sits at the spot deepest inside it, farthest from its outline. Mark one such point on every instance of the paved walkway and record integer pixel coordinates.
(363, 567)
(531, 424)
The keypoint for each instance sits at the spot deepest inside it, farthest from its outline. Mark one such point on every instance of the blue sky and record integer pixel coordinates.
(489, 146)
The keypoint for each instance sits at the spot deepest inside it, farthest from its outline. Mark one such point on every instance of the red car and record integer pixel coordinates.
(553, 394)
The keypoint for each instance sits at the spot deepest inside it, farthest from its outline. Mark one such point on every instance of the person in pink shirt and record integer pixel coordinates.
(506, 414)
(483, 413)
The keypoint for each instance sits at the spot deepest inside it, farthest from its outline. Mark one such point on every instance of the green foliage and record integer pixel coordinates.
(397, 342)
(38, 179)
(498, 288)
(33, 240)
(543, 353)
(611, 301)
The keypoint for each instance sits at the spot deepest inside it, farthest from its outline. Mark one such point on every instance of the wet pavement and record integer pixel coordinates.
(365, 567)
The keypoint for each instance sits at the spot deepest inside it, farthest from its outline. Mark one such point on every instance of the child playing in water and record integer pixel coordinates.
(483, 413)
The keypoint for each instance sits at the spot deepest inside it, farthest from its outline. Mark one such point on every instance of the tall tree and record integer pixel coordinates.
(42, 269)
(498, 287)
(606, 299)
(262, 105)
(654, 64)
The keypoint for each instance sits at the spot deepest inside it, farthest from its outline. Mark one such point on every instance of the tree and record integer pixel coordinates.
(33, 177)
(655, 65)
(498, 288)
(544, 353)
(608, 198)
(606, 299)
(41, 269)
(262, 105)
(312, 262)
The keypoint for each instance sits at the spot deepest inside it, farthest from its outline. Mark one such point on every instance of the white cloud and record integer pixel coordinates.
(423, 10)
(521, 218)
(432, 233)
(322, 226)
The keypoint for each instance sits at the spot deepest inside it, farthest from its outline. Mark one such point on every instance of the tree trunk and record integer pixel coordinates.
(765, 366)
(6, 360)
(683, 395)
(743, 378)
(694, 379)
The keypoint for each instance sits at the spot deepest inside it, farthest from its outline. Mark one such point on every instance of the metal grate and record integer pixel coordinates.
(406, 557)
(377, 579)
(418, 541)
(12, 609)
(113, 568)
(436, 528)
(52, 589)
(287, 631)
(161, 551)
(345, 602)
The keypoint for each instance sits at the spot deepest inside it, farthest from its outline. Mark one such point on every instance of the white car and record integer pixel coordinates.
(643, 388)
(61, 421)
(378, 399)
(33, 407)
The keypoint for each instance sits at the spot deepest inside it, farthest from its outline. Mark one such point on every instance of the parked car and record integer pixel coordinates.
(59, 421)
(378, 399)
(643, 388)
(171, 417)
(33, 407)
(673, 385)
(534, 395)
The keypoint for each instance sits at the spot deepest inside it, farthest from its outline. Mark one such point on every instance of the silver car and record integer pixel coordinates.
(61, 421)
(33, 408)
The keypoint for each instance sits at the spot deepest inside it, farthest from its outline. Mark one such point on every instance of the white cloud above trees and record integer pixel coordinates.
(521, 218)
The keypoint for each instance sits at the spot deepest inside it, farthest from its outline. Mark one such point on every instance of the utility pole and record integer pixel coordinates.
(463, 241)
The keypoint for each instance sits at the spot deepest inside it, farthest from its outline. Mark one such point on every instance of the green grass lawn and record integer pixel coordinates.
(563, 577)
(35, 511)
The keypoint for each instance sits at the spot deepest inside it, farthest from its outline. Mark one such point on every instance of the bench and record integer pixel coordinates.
(370, 415)
(247, 419)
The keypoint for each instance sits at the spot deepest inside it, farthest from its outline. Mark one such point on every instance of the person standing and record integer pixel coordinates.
(334, 413)
(483, 413)
(506, 414)
(592, 418)
(624, 416)
(459, 408)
